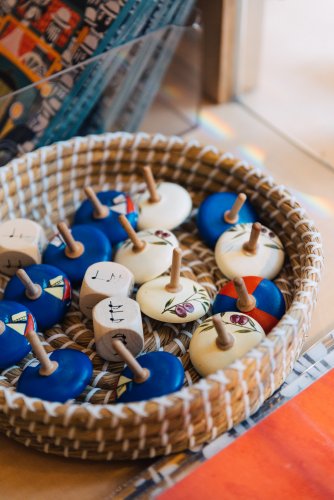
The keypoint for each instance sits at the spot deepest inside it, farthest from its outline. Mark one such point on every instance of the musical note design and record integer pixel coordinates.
(115, 310)
(113, 276)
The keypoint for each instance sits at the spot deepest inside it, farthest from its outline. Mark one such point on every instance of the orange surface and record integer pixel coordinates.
(289, 455)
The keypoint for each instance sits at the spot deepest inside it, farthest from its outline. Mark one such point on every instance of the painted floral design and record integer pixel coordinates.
(160, 237)
(246, 322)
(187, 306)
(268, 234)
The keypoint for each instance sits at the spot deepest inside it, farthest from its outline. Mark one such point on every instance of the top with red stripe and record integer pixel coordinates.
(270, 304)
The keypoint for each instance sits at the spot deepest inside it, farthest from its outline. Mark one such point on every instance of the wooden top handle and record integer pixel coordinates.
(47, 366)
(33, 290)
(174, 284)
(100, 211)
(140, 374)
(151, 185)
(245, 302)
(232, 216)
(224, 339)
(250, 247)
(138, 244)
(74, 249)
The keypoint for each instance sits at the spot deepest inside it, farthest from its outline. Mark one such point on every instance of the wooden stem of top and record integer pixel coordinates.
(100, 211)
(2, 327)
(224, 339)
(250, 247)
(47, 366)
(151, 185)
(138, 244)
(174, 285)
(245, 302)
(232, 216)
(74, 249)
(140, 374)
(33, 290)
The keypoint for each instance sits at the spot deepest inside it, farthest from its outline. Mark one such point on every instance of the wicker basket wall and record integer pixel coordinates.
(47, 186)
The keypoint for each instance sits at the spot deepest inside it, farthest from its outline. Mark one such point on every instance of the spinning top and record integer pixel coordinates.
(74, 251)
(22, 242)
(102, 280)
(102, 211)
(15, 321)
(258, 297)
(60, 377)
(117, 318)
(221, 211)
(148, 253)
(221, 339)
(165, 205)
(249, 249)
(173, 299)
(44, 289)
(150, 376)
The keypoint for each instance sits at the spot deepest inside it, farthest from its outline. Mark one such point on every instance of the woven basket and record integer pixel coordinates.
(46, 185)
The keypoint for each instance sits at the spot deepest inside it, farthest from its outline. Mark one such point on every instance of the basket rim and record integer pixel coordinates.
(286, 326)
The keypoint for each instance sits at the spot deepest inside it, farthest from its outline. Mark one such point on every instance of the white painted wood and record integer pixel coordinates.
(117, 318)
(22, 243)
(102, 280)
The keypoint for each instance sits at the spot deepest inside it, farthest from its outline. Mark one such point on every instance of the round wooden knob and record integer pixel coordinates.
(219, 212)
(238, 255)
(263, 300)
(22, 243)
(49, 293)
(207, 355)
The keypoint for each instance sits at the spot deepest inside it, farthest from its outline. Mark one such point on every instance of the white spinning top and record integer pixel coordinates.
(173, 299)
(164, 205)
(146, 254)
(117, 318)
(22, 242)
(249, 250)
(221, 339)
(102, 280)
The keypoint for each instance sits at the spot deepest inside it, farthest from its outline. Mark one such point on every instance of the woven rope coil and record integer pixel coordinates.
(46, 185)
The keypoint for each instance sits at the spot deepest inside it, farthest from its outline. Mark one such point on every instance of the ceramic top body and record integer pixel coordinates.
(153, 260)
(191, 303)
(55, 300)
(166, 376)
(66, 382)
(97, 248)
(173, 208)
(270, 304)
(13, 344)
(204, 353)
(210, 216)
(234, 262)
(22, 242)
(118, 203)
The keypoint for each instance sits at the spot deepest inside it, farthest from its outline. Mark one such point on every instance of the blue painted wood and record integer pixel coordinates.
(68, 381)
(210, 216)
(13, 344)
(97, 249)
(166, 376)
(118, 203)
(55, 300)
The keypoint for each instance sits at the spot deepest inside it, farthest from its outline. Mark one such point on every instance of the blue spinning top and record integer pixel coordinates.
(44, 289)
(73, 252)
(103, 209)
(219, 212)
(60, 377)
(15, 321)
(158, 374)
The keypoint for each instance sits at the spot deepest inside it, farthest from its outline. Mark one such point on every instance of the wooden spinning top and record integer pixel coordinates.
(149, 376)
(165, 205)
(44, 289)
(173, 298)
(101, 210)
(74, 251)
(146, 254)
(60, 377)
(219, 212)
(260, 298)
(221, 339)
(249, 250)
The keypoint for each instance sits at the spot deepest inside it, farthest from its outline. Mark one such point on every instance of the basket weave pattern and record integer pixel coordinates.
(46, 185)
